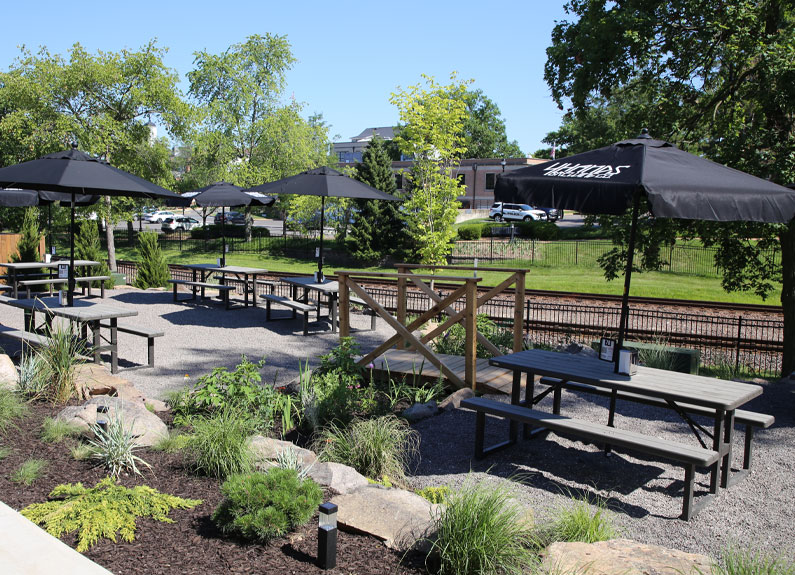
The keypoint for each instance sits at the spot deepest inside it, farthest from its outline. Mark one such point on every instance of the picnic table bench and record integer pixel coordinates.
(30, 338)
(295, 306)
(687, 456)
(86, 281)
(149, 333)
(367, 309)
(198, 285)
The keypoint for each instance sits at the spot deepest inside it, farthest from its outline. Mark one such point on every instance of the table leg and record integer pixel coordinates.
(114, 345)
(717, 445)
(529, 395)
(192, 288)
(14, 283)
(96, 338)
(516, 397)
(611, 418)
(333, 298)
(245, 290)
(728, 432)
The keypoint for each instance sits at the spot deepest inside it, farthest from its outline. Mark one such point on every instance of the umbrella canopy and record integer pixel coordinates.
(75, 172)
(222, 195)
(677, 185)
(326, 183)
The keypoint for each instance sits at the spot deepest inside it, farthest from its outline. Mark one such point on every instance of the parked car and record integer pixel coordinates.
(179, 223)
(553, 214)
(520, 212)
(158, 216)
(232, 218)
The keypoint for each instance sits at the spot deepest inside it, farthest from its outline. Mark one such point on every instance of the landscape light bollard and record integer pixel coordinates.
(327, 536)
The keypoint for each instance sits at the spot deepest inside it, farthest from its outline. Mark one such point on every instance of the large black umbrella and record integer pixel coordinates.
(676, 184)
(222, 195)
(326, 183)
(76, 173)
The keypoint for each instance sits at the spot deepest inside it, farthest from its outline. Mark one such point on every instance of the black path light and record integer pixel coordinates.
(327, 536)
(676, 184)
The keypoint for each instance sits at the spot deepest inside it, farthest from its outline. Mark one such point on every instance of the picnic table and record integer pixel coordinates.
(88, 314)
(307, 284)
(15, 267)
(246, 275)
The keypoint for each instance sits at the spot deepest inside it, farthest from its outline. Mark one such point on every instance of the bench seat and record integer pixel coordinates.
(750, 419)
(24, 336)
(27, 284)
(223, 289)
(149, 333)
(367, 310)
(88, 280)
(687, 456)
(295, 306)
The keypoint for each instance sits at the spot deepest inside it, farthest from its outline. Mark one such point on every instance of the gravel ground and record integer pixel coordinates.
(757, 513)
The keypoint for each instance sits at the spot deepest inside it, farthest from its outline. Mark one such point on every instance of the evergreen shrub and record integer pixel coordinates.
(28, 246)
(470, 232)
(544, 231)
(152, 268)
(87, 247)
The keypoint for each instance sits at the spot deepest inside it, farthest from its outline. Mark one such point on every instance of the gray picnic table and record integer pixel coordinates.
(247, 275)
(15, 267)
(327, 287)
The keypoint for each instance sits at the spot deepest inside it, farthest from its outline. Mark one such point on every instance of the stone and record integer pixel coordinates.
(578, 348)
(157, 405)
(267, 449)
(420, 411)
(399, 518)
(339, 479)
(8, 373)
(622, 557)
(146, 426)
(453, 401)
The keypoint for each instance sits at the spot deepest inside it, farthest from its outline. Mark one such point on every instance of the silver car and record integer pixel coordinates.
(179, 223)
(518, 212)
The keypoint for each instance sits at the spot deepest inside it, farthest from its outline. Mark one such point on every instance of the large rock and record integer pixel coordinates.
(146, 426)
(337, 478)
(453, 401)
(267, 449)
(622, 557)
(399, 518)
(420, 411)
(8, 373)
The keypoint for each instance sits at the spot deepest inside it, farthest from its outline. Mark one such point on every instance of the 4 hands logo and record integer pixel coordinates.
(568, 170)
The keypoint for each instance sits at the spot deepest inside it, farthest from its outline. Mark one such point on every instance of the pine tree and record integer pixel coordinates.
(87, 247)
(152, 268)
(28, 245)
(378, 230)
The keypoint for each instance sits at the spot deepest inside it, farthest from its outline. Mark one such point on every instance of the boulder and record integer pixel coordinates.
(146, 426)
(8, 373)
(399, 518)
(420, 411)
(339, 479)
(622, 557)
(453, 401)
(267, 449)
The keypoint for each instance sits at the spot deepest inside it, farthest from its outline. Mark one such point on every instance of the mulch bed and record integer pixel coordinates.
(192, 544)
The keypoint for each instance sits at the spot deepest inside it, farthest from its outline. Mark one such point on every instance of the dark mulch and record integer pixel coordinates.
(191, 544)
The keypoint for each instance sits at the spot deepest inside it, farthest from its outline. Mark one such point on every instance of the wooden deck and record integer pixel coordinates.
(404, 362)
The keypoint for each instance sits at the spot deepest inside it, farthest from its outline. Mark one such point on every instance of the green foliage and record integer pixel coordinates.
(485, 129)
(342, 359)
(30, 470)
(102, 511)
(31, 381)
(114, 448)
(470, 232)
(218, 446)
(81, 452)
(288, 458)
(59, 357)
(28, 244)
(744, 562)
(580, 520)
(480, 530)
(373, 447)
(5, 451)
(152, 268)
(453, 341)
(55, 430)
(262, 506)
(11, 408)
(435, 494)
(87, 247)
(174, 442)
(545, 231)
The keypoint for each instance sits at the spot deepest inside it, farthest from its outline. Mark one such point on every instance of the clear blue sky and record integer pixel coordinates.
(351, 56)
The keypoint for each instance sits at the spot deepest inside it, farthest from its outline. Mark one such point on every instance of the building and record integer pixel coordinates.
(351, 152)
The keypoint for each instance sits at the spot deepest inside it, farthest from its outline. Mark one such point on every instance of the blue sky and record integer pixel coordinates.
(351, 56)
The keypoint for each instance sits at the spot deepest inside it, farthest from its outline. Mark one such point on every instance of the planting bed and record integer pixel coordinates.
(191, 544)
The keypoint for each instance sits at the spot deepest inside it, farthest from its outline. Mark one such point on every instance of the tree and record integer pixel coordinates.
(716, 81)
(485, 129)
(432, 132)
(152, 267)
(378, 231)
(87, 247)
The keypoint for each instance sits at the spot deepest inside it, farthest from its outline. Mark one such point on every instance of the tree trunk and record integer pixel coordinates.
(249, 222)
(130, 233)
(787, 239)
(109, 237)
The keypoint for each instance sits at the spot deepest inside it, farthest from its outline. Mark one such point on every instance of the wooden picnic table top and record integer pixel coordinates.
(82, 310)
(669, 385)
(53, 264)
(309, 282)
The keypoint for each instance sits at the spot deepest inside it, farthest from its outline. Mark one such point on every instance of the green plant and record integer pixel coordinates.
(744, 562)
(454, 339)
(102, 511)
(114, 446)
(435, 494)
(28, 245)
(470, 232)
(5, 451)
(29, 471)
(374, 447)
(152, 268)
(218, 446)
(59, 357)
(342, 359)
(87, 247)
(11, 408)
(659, 355)
(545, 231)
(261, 506)
(580, 520)
(31, 379)
(173, 442)
(289, 459)
(54, 430)
(481, 529)
(81, 452)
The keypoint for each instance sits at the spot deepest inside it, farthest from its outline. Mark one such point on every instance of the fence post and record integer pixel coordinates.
(576, 252)
(737, 351)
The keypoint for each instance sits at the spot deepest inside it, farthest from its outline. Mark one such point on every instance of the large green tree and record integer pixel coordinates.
(378, 230)
(718, 80)
(432, 121)
(484, 129)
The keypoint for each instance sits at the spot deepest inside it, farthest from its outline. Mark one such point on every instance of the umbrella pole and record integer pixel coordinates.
(70, 297)
(49, 227)
(623, 320)
(322, 225)
(223, 236)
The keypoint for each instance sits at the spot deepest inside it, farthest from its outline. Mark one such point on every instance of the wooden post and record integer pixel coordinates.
(401, 300)
(471, 330)
(344, 305)
(518, 312)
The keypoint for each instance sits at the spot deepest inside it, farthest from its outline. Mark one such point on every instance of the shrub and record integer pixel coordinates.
(152, 268)
(81, 452)
(482, 530)
(174, 442)
(470, 232)
(743, 562)
(54, 430)
(373, 447)
(581, 520)
(103, 511)
(28, 245)
(453, 341)
(435, 494)
(5, 451)
(29, 471)
(11, 408)
(59, 358)
(218, 446)
(87, 247)
(114, 447)
(545, 231)
(261, 506)
(31, 379)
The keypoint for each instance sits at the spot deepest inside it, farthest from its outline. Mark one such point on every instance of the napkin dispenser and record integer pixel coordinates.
(627, 362)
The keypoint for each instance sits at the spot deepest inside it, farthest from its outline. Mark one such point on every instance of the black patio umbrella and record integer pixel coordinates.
(76, 173)
(222, 195)
(676, 184)
(326, 183)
